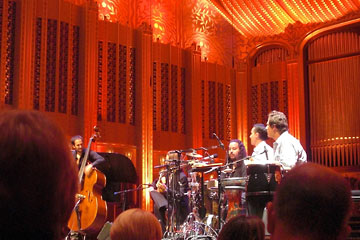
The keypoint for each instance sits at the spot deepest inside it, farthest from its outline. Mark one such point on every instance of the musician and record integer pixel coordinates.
(160, 193)
(287, 149)
(78, 153)
(262, 152)
(237, 151)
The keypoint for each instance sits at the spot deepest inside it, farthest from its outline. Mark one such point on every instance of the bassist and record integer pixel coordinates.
(78, 153)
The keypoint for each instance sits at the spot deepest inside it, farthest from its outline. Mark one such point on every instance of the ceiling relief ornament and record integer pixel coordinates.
(203, 18)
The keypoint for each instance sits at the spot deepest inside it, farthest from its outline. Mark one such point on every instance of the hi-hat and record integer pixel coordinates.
(194, 155)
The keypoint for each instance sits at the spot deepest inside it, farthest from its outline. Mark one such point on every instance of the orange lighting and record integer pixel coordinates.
(269, 17)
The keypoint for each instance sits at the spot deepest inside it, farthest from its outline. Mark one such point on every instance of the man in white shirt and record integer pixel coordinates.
(262, 153)
(287, 149)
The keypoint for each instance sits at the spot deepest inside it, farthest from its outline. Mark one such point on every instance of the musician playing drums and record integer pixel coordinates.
(262, 154)
(287, 149)
(237, 151)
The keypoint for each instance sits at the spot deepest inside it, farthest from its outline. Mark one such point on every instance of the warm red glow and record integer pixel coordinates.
(268, 17)
(108, 10)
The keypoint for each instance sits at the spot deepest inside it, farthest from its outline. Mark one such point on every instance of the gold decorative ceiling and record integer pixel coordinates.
(268, 17)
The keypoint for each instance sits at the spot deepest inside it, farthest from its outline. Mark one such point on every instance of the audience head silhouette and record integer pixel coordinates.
(243, 228)
(136, 224)
(312, 202)
(37, 177)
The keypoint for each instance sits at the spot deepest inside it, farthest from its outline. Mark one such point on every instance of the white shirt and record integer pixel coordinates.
(259, 156)
(288, 151)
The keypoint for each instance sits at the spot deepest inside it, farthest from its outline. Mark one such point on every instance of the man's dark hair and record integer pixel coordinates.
(279, 120)
(242, 153)
(74, 138)
(313, 201)
(261, 130)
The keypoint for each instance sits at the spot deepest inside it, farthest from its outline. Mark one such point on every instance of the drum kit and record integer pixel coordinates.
(215, 201)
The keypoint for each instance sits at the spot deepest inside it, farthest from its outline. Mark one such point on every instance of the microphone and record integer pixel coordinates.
(211, 157)
(266, 154)
(220, 143)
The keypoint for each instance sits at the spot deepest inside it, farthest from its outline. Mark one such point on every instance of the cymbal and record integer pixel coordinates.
(194, 155)
(227, 170)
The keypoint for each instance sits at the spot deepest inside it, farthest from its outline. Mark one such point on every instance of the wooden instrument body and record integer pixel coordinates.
(92, 208)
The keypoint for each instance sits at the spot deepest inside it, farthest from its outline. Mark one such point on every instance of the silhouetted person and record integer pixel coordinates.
(243, 228)
(38, 177)
(312, 202)
(136, 224)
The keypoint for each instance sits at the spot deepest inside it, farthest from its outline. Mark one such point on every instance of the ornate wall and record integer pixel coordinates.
(161, 75)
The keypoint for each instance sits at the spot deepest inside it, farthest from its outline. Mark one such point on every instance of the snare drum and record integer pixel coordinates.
(262, 179)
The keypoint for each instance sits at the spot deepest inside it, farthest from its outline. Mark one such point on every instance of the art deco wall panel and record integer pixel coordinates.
(116, 83)
(169, 94)
(269, 84)
(216, 104)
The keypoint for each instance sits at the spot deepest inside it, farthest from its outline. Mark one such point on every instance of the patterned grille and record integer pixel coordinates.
(228, 112)
(99, 85)
(132, 87)
(10, 48)
(50, 65)
(154, 95)
(274, 89)
(254, 104)
(63, 66)
(212, 107)
(182, 106)
(174, 98)
(75, 71)
(285, 98)
(122, 83)
(203, 107)
(111, 83)
(37, 56)
(220, 101)
(164, 97)
(264, 101)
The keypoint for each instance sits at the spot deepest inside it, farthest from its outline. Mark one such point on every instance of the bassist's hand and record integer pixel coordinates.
(88, 169)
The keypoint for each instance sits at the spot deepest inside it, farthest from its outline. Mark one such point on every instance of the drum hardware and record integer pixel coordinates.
(194, 155)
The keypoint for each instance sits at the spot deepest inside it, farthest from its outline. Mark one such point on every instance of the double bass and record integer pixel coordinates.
(89, 213)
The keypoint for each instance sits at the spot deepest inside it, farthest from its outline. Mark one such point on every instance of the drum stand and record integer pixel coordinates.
(173, 196)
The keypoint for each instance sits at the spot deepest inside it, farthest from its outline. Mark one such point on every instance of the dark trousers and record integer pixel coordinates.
(256, 204)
